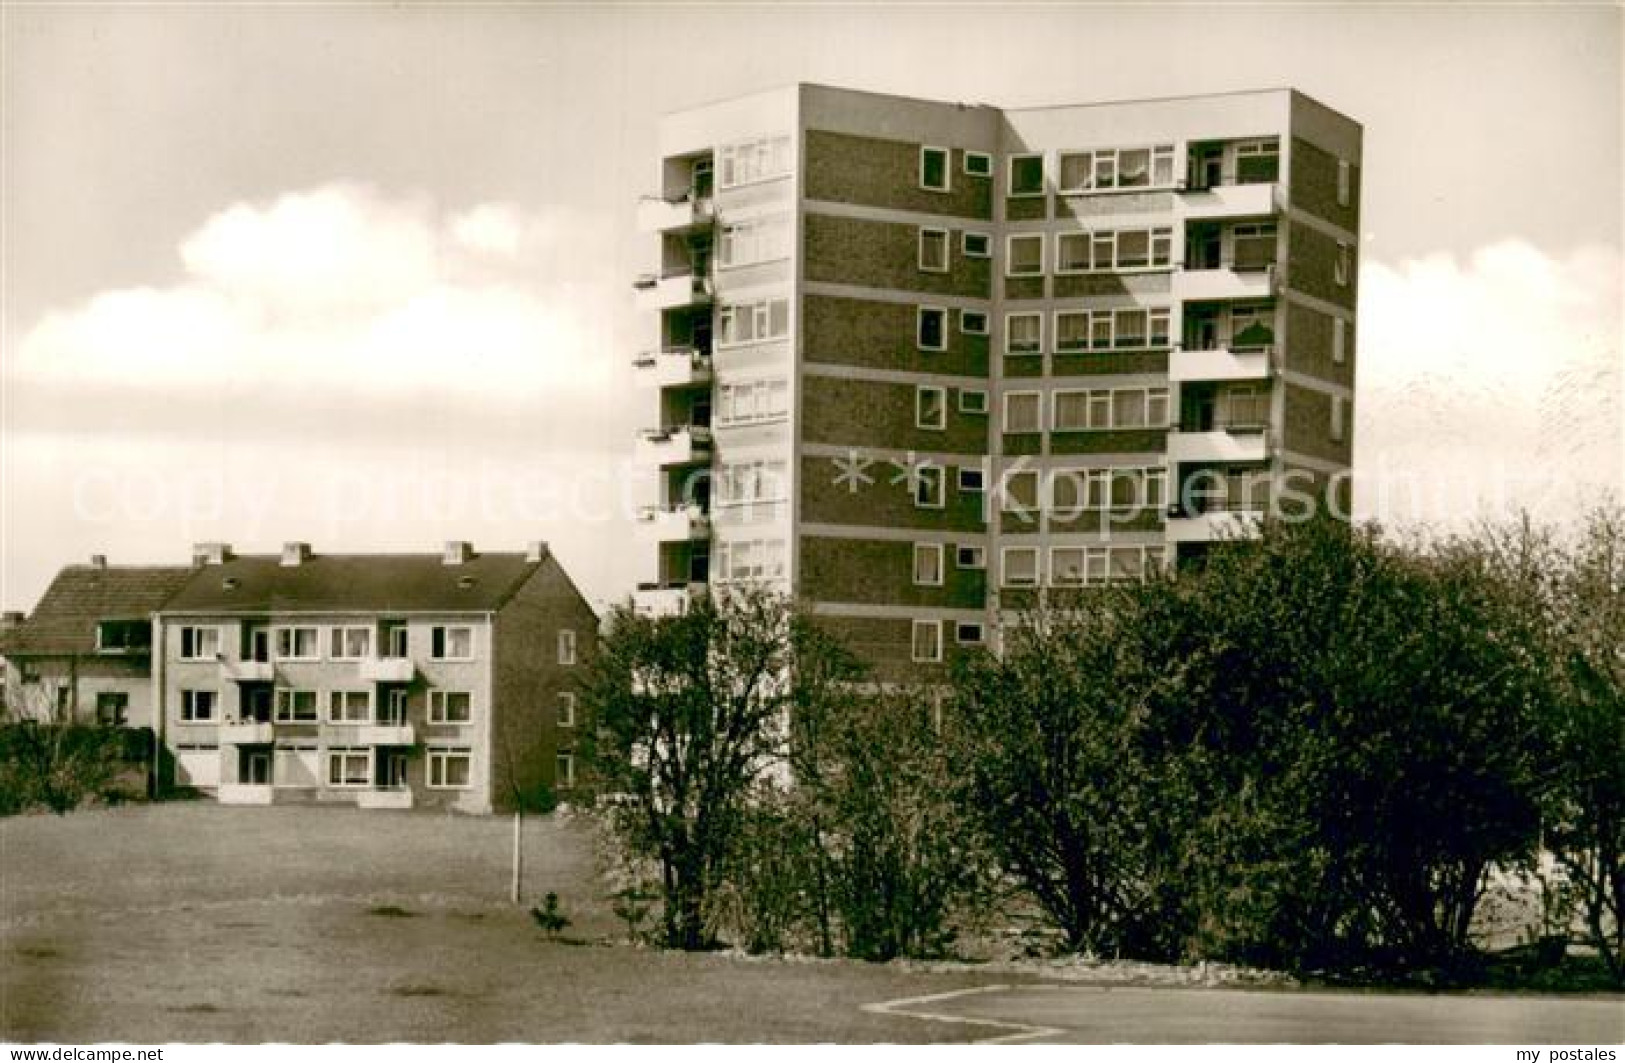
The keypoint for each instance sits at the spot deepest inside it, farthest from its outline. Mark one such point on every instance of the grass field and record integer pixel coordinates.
(195, 922)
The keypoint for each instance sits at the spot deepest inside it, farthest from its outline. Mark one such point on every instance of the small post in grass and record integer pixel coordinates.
(518, 859)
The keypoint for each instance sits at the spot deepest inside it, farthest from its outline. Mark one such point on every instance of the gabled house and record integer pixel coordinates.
(381, 680)
(85, 653)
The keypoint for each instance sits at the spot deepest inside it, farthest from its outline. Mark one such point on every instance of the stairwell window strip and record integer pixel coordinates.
(754, 241)
(746, 162)
(752, 402)
(753, 322)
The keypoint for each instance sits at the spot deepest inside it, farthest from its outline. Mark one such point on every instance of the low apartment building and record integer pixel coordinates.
(382, 680)
(85, 653)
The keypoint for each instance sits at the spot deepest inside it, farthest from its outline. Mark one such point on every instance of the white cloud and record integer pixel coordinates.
(1489, 383)
(342, 293)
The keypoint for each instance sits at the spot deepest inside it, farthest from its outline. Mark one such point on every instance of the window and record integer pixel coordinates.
(451, 706)
(927, 641)
(934, 175)
(976, 245)
(564, 770)
(753, 322)
(750, 559)
(1258, 161)
(928, 487)
(349, 706)
(752, 402)
(1339, 428)
(349, 767)
(1339, 340)
(1023, 411)
(200, 643)
(1101, 330)
(197, 706)
(971, 557)
(748, 161)
(1024, 333)
(930, 407)
(978, 164)
(1340, 267)
(1144, 167)
(973, 322)
(449, 769)
(968, 634)
(298, 644)
(971, 480)
(1343, 182)
(745, 243)
(112, 708)
(394, 639)
(1106, 250)
(395, 711)
(1253, 246)
(451, 643)
(744, 483)
(1251, 327)
(1076, 411)
(1026, 255)
(1066, 566)
(934, 250)
(567, 708)
(928, 564)
(1020, 493)
(567, 647)
(931, 329)
(1020, 566)
(350, 643)
(1026, 175)
(123, 636)
(295, 706)
(972, 400)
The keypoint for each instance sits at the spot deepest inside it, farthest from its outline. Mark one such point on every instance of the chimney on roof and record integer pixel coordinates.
(210, 554)
(295, 554)
(536, 551)
(10, 621)
(98, 561)
(456, 552)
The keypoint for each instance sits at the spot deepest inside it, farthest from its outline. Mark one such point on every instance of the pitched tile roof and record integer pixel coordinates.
(65, 619)
(354, 583)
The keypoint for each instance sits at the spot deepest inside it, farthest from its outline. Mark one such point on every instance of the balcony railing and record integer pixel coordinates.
(664, 599)
(246, 733)
(677, 445)
(247, 671)
(672, 289)
(1228, 281)
(674, 523)
(1221, 363)
(1235, 442)
(680, 367)
(386, 669)
(385, 732)
(1214, 523)
(1255, 199)
(657, 214)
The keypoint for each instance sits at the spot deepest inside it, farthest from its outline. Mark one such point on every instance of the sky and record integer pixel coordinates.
(360, 275)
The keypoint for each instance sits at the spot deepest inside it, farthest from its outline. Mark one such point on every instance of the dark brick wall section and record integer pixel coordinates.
(1309, 345)
(1024, 287)
(882, 503)
(1308, 425)
(841, 168)
(1311, 262)
(877, 335)
(1089, 285)
(1126, 441)
(1026, 208)
(869, 413)
(1112, 362)
(527, 679)
(885, 643)
(1314, 185)
(876, 571)
(878, 254)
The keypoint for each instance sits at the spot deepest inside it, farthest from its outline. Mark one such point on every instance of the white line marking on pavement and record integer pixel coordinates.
(1021, 1031)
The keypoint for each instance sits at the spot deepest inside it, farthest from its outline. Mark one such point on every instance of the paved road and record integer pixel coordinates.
(1095, 1015)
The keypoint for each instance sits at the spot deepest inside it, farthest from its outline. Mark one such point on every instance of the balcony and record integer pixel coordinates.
(246, 733)
(397, 797)
(1233, 443)
(673, 524)
(1213, 526)
(1230, 201)
(657, 600)
(233, 793)
(247, 671)
(684, 367)
(385, 733)
(675, 215)
(386, 670)
(677, 445)
(672, 290)
(1220, 363)
(1203, 284)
